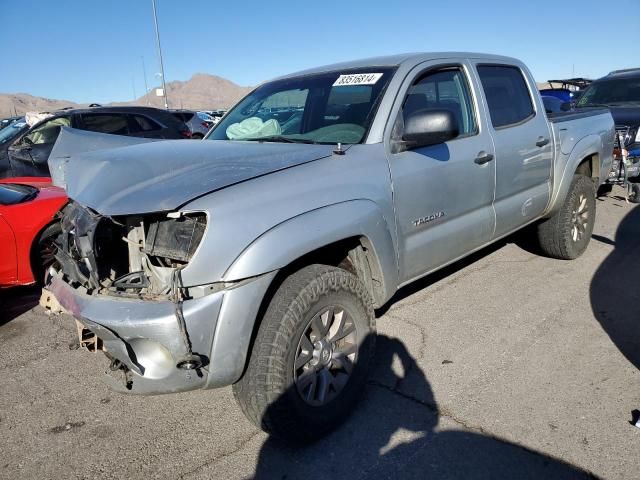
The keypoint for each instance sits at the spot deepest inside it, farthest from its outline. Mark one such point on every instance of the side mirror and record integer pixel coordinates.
(429, 127)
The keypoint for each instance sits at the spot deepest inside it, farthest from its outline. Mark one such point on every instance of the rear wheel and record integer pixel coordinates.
(311, 355)
(567, 233)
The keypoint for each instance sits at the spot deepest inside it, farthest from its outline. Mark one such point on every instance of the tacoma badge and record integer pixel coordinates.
(427, 219)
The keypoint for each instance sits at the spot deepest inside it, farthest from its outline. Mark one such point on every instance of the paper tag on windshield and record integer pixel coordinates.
(357, 79)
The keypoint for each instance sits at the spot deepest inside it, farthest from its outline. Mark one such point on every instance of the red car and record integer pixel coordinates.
(28, 206)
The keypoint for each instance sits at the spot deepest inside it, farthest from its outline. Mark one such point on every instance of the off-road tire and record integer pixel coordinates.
(634, 195)
(267, 392)
(555, 233)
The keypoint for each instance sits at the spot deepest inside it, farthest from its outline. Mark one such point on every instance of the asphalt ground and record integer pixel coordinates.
(504, 365)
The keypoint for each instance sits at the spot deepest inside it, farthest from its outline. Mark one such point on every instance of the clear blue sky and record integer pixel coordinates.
(90, 50)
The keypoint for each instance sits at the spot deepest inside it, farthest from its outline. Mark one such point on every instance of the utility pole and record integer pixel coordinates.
(164, 87)
(146, 87)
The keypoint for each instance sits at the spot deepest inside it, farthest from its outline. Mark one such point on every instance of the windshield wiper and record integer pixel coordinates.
(281, 138)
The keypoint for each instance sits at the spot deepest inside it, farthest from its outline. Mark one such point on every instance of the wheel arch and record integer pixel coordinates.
(352, 234)
(584, 159)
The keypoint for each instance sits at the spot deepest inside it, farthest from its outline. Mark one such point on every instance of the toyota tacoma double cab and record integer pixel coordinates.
(257, 257)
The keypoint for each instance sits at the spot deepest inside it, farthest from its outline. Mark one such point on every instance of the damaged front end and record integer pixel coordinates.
(121, 277)
(128, 256)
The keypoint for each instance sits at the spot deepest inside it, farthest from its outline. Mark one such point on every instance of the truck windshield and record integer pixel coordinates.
(611, 93)
(327, 108)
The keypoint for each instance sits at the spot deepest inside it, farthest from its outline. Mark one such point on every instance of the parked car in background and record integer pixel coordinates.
(216, 115)
(311, 203)
(198, 123)
(7, 136)
(5, 122)
(569, 91)
(620, 92)
(554, 104)
(27, 154)
(12, 130)
(28, 228)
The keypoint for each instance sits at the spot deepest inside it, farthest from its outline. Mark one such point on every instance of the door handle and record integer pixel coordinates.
(541, 142)
(483, 157)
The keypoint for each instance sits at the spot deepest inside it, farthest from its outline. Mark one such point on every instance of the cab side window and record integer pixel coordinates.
(443, 90)
(507, 94)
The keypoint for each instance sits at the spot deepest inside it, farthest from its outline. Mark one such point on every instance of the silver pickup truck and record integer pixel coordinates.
(256, 257)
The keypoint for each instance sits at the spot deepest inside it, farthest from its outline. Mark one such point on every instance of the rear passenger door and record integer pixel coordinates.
(522, 142)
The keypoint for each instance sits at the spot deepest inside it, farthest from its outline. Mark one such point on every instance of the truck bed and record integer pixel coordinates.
(576, 114)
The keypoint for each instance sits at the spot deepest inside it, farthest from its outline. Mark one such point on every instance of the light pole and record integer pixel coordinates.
(146, 87)
(164, 87)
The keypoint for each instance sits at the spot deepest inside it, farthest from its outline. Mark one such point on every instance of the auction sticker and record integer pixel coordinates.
(357, 79)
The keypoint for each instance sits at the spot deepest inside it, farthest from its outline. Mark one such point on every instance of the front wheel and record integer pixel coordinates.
(567, 233)
(311, 355)
(43, 251)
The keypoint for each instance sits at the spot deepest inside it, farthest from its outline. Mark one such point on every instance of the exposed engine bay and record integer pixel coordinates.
(131, 256)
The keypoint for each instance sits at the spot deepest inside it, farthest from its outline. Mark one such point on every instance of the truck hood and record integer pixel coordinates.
(116, 175)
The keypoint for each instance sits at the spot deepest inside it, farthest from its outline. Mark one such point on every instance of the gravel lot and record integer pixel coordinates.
(507, 364)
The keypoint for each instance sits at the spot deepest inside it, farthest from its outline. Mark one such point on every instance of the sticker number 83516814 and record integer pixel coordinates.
(357, 79)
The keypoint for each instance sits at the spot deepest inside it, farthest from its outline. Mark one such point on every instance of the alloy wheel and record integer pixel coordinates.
(579, 218)
(325, 356)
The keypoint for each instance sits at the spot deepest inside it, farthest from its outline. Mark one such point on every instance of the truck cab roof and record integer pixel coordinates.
(403, 59)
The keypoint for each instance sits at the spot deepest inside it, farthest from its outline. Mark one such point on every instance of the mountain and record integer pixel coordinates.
(202, 91)
(23, 102)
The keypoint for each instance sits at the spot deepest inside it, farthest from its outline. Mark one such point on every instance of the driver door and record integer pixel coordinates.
(443, 194)
(28, 156)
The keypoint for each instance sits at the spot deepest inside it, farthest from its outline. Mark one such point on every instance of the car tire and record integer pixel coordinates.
(567, 233)
(197, 136)
(43, 250)
(311, 356)
(634, 195)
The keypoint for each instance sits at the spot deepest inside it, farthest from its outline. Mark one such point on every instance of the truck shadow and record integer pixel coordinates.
(394, 434)
(17, 300)
(615, 289)
(443, 273)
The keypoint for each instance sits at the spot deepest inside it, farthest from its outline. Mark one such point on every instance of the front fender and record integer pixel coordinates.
(309, 231)
(586, 147)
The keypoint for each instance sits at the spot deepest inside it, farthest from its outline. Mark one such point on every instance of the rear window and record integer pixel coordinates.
(106, 123)
(144, 124)
(507, 94)
(183, 116)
